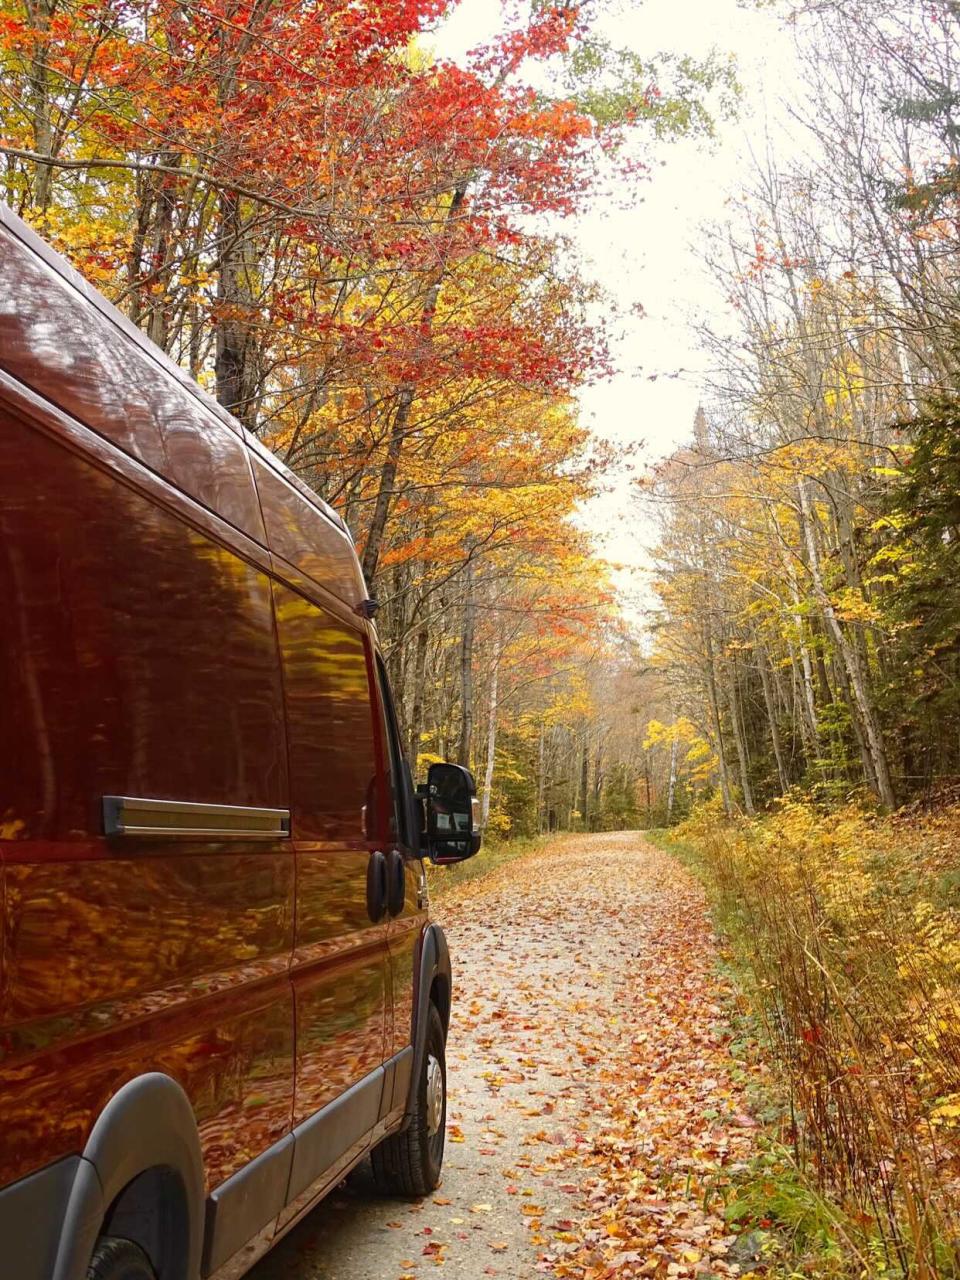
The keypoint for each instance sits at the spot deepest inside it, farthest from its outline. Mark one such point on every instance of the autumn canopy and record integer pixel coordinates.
(357, 245)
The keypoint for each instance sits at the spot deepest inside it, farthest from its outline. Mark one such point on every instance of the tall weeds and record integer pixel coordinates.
(847, 929)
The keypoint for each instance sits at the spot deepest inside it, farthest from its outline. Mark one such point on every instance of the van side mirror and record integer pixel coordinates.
(450, 800)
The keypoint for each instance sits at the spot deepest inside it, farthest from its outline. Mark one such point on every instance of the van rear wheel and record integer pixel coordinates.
(409, 1163)
(116, 1259)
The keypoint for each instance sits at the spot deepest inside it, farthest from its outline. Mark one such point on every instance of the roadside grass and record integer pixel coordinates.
(443, 881)
(842, 934)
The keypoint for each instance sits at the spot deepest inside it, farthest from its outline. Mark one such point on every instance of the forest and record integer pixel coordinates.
(363, 248)
(359, 247)
(806, 568)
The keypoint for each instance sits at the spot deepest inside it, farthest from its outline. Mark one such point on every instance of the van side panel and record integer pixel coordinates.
(142, 659)
(407, 925)
(56, 341)
(139, 660)
(300, 534)
(340, 961)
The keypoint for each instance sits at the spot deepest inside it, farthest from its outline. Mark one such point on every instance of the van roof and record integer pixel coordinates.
(29, 238)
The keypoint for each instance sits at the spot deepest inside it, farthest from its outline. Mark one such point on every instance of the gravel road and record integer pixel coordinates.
(544, 950)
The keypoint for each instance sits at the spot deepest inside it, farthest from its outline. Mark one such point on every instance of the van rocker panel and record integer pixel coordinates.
(245, 1203)
(326, 1136)
(402, 1076)
(31, 1217)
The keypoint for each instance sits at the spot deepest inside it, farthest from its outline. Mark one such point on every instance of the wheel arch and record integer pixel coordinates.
(435, 984)
(140, 1176)
(440, 995)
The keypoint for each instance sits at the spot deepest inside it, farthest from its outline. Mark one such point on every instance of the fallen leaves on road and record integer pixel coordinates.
(592, 969)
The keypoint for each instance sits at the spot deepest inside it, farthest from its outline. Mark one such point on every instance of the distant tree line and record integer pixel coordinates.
(808, 570)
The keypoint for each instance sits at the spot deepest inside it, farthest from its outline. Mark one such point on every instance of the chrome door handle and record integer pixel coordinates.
(187, 819)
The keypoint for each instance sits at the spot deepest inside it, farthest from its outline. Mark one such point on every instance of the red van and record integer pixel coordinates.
(219, 987)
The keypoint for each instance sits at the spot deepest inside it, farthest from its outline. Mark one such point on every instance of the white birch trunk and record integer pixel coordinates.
(849, 657)
(672, 785)
(491, 744)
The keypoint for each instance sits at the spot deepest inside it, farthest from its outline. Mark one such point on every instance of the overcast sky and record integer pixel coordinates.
(645, 252)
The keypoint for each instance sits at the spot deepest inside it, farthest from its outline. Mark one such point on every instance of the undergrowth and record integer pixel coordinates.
(843, 930)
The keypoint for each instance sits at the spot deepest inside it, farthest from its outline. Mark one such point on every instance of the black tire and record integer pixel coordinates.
(116, 1259)
(408, 1164)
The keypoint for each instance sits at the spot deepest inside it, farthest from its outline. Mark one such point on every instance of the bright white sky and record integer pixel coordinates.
(645, 252)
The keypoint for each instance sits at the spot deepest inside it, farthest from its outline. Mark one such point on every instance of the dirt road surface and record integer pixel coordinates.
(595, 1112)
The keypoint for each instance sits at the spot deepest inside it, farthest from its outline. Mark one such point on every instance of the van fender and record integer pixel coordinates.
(148, 1125)
(434, 970)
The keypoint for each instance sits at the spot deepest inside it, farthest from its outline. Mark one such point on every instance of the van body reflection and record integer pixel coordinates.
(219, 984)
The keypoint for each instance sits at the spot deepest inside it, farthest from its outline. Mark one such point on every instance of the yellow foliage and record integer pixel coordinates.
(844, 904)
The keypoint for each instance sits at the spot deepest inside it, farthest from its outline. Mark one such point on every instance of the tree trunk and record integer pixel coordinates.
(672, 784)
(491, 744)
(866, 763)
(584, 781)
(717, 725)
(740, 745)
(848, 654)
(772, 718)
(541, 781)
(150, 261)
(808, 723)
(38, 79)
(234, 360)
(419, 681)
(158, 327)
(234, 364)
(405, 398)
(466, 666)
(385, 490)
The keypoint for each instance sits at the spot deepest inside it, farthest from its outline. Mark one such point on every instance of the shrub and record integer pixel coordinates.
(846, 927)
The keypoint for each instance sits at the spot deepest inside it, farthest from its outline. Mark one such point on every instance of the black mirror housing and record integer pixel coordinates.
(451, 809)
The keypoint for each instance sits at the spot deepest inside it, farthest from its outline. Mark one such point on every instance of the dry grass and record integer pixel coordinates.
(846, 930)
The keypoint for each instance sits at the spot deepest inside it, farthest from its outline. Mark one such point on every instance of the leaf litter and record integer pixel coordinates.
(591, 1004)
(595, 1113)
